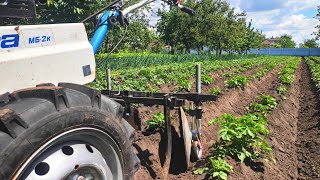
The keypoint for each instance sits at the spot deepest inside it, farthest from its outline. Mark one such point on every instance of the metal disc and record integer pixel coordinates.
(187, 136)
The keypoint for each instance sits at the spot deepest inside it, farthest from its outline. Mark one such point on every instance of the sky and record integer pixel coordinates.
(276, 17)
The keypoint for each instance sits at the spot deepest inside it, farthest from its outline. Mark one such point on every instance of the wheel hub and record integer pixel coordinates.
(77, 161)
(69, 156)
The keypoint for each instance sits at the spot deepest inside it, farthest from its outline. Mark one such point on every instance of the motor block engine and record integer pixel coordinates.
(36, 54)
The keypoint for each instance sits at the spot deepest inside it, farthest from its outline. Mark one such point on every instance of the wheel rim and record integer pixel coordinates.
(78, 154)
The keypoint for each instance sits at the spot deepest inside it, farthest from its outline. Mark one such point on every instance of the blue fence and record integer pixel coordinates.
(287, 51)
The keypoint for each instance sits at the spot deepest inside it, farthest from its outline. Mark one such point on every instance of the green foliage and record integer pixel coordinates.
(230, 74)
(309, 43)
(263, 106)
(259, 108)
(184, 84)
(241, 138)
(137, 39)
(215, 25)
(250, 65)
(314, 64)
(206, 79)
(215, 91)
(286, 75)
(286, 41)
(201, 170)
(317, 33)
(125, 60)
(262, 71)
(150, 78)
(219, 169)
(157, 123)
(275, 45)
(286, 79)
(268, 101)
(237, 82)
(282, 90)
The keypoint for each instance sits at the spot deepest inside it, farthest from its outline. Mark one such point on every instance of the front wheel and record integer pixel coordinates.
(66, 132)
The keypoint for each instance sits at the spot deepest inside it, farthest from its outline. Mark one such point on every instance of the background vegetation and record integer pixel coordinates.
(216, 28)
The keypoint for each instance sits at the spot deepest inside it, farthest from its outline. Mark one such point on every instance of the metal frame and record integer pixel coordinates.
(169, 101)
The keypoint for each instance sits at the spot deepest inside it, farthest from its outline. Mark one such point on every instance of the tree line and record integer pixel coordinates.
(216, 27)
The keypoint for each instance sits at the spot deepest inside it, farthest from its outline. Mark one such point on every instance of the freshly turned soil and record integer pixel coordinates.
(308, 140)
(294, 133)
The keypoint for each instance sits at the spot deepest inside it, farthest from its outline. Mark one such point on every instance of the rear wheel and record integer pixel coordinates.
(65, 132)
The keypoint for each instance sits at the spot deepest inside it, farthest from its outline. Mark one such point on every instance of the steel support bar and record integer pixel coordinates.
(166, 164)
(190, 96)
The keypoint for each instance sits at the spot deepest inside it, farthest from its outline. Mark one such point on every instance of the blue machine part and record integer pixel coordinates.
(102, 30)
(86, 70)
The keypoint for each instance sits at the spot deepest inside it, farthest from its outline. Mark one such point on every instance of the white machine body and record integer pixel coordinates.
(37, 54)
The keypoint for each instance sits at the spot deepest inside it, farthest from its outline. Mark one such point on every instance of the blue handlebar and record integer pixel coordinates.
(102, 30)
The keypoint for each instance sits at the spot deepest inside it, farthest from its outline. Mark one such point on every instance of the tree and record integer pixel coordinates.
(309, 43)
(286, 41)
(275, 45)
(318, 26)
(216, 25)
(177, 29)
(137, 38)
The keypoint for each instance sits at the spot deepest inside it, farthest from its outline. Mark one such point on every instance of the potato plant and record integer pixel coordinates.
(237, 82)
(157, 123)
(241, 137)
(314, 65)
(155, 76)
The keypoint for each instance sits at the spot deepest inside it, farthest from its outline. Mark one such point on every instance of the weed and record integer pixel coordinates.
(157, 123)
(215, 91)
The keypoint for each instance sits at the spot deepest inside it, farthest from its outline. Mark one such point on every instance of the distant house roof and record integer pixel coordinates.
(271, 41)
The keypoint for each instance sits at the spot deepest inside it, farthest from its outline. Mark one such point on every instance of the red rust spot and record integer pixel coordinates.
(18, 30)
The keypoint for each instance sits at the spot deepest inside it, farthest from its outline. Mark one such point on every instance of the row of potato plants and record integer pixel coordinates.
(178, 75)
(125, 60)
(146, 79)
(314, 65)
(239, 81)
(287, 76)
(243, 138)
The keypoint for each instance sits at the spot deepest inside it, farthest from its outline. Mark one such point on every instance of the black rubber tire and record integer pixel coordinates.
(34, 116)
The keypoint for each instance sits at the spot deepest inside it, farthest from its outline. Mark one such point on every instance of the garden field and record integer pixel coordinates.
(265, 123)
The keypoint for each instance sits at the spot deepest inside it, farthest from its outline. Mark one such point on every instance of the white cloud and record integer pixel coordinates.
(298, 5)
(273, 17)
(280, 17)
